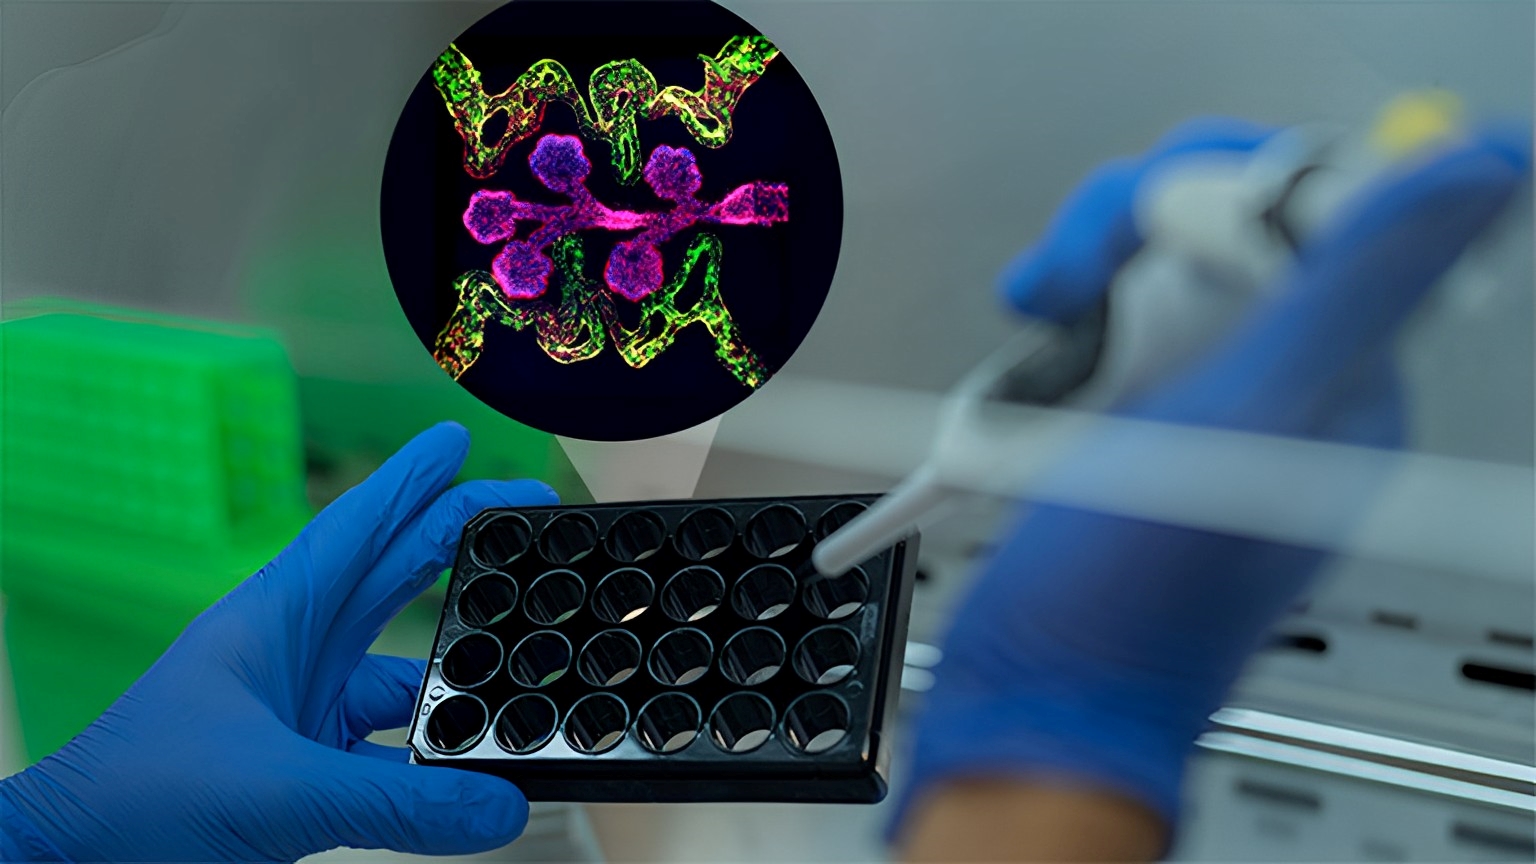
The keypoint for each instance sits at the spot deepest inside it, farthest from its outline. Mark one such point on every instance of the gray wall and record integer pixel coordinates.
(223, 159)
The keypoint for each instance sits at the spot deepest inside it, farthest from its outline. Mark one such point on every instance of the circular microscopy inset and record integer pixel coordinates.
(611, 220)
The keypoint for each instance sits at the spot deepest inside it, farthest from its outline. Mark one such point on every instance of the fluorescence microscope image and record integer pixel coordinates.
(623, 260)
(620, 91)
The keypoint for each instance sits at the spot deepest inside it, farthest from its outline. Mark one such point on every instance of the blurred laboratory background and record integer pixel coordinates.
(189, 218)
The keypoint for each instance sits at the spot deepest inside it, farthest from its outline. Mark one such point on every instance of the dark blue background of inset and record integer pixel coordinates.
(773, 280)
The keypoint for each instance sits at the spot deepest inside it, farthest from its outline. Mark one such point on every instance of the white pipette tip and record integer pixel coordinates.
(889, 519)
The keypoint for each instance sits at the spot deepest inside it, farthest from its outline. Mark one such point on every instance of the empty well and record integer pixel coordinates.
(622, 595)
(705, 534)
(816, 722)
(681, 657)
(752, 656)
(568, 538)
(773, 531)
(826, 655)
(487, 599)
(836, 517)
(835, 597)
(501, 540)
(692, 593)
(609, 658)
(456, 724)
(763, 592)
(526, 723)
(636, 536)
(471, 660)
(668, 723)
(554, 597)
(596, 723)
(540, 659)
(741, 722)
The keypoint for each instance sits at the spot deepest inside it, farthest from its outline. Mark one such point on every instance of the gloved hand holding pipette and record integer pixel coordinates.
(1202, 236)
(1093, 648)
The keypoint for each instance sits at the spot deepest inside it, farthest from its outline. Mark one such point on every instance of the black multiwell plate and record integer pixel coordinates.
(548, 607)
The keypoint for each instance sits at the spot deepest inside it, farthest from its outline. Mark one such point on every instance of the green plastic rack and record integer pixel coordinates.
(150, 463)
(147, 465)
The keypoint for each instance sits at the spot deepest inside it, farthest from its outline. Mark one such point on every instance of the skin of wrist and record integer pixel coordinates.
(1034, 818)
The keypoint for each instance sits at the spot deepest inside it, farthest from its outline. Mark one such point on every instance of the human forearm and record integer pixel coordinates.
(1030, 819)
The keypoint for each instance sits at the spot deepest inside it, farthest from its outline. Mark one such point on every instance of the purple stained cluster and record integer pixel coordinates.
(634, 267)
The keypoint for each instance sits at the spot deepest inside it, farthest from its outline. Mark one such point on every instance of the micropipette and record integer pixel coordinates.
(1218, 228)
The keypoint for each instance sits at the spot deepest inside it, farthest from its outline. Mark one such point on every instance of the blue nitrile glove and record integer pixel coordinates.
(245, 741)
(1092, 649)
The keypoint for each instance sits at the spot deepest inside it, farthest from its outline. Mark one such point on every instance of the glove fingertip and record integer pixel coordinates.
(499, 810)
(1093, 235)
(408, 669)
(1070, 268)
(476, 495)
(377, 803)
(428, 462)
(1022, 286)
(1508, 141)
(1211, 132)
(448, 436)
(530, 492)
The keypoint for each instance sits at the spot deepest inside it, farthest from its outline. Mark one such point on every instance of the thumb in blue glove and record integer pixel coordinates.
(245, 741)
(1095, 647)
